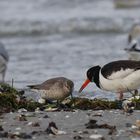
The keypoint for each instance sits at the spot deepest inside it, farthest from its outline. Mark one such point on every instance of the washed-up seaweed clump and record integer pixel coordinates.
(137, 103)
(95, 104)
(12, 99)
(101, 104)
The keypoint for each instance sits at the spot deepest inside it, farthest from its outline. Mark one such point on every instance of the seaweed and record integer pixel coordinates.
(95, 104)
(137, 103)
(12, 99)
(99, 104)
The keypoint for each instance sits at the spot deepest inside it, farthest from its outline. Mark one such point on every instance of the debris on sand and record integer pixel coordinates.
(92, 124)
(15, 135)
(36, 124)
(3, 134)
(19, 135)
(21, 118)
(78, 137)
(1, 128)
(53, 129)
(128, 106)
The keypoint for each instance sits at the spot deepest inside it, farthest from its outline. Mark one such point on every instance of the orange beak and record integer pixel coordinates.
(84, 85)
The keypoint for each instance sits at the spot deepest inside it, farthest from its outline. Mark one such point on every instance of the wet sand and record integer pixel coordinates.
(106, 125)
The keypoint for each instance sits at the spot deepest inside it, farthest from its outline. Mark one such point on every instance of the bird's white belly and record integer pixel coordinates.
(134, 56)
(128, 83)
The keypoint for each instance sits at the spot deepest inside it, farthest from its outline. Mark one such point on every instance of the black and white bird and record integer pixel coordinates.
(4, 58)
(54, 89)
(118, 76)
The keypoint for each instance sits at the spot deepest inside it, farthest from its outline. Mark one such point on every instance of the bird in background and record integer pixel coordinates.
(133, 47)
(117, 76)
(54, 89)
(133, 50)
(4, 58)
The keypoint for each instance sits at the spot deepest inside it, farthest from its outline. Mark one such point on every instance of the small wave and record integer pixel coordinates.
(85, 26)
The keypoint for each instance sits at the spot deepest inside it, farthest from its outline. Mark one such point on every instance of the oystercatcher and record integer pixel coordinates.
(54, 89)
(118, 76)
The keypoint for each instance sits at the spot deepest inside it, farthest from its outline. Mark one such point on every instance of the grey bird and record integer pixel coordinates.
(133, 48)
(4, 58)
(54, 89)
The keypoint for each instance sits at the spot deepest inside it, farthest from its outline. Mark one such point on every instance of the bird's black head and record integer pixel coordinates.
(93, 72)
(92, 76)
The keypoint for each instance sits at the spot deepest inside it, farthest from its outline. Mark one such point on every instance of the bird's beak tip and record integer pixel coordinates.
(84, 85)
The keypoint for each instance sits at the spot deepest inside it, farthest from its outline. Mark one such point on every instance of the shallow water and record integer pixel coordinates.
(46, 39)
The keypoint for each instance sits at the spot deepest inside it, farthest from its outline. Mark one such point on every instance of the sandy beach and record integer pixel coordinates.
(99, 125)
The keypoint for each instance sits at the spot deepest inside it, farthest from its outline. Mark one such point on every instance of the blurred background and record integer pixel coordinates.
(50, 38)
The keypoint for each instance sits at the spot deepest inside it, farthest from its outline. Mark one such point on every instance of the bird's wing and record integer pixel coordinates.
(48, 84)
(120, 69)
(33, 86)
(120, 74)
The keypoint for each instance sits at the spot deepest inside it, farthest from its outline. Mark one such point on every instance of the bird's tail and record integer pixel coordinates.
(33, 86)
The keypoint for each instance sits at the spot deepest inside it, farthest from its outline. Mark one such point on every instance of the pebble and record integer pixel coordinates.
(96, 136)
(98, 114)
(67, 116)
(18, 128)
(37, 110)
(16, 133)
(134, 127)
(22, 110)
(30, 123)
(41, 101)
(60, 132)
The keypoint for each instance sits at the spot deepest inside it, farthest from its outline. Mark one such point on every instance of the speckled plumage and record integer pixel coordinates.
(54, 89)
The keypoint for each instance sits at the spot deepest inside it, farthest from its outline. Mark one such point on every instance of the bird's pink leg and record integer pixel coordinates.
(120, 95)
